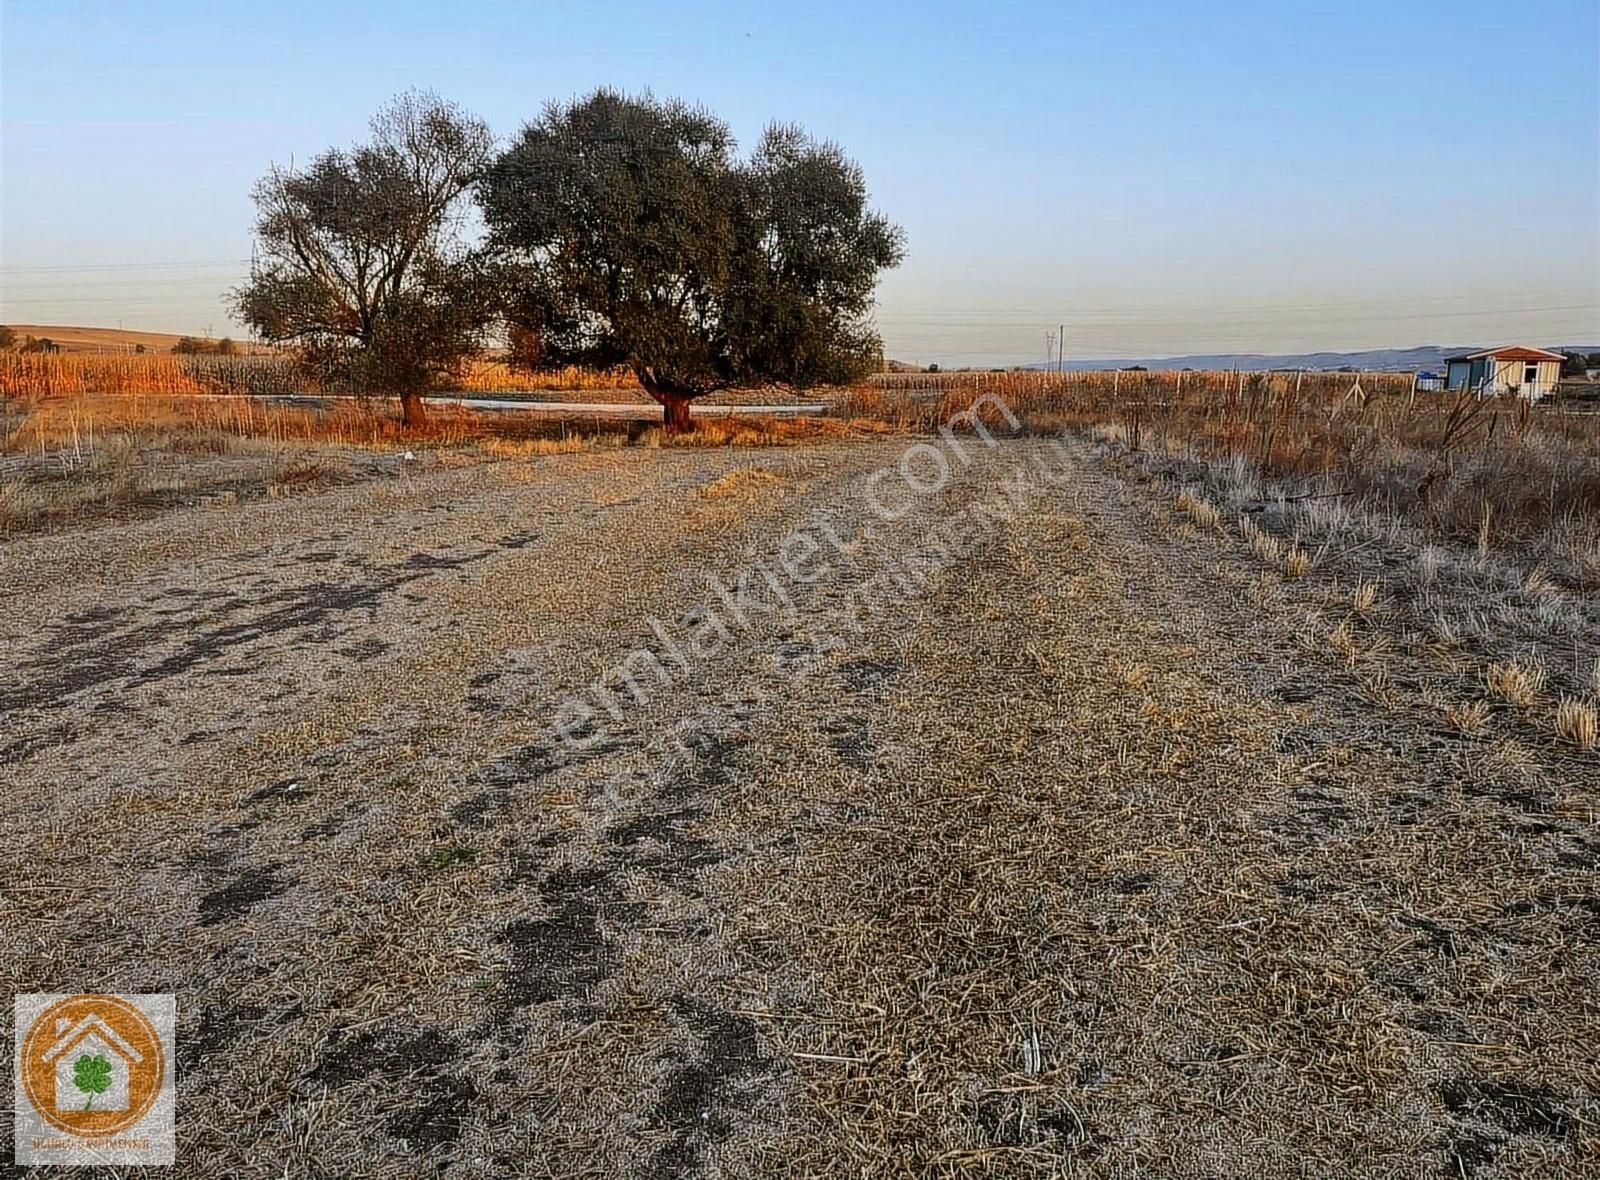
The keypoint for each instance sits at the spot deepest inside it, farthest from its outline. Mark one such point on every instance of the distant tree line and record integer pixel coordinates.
(202, 346)
(1578, 364)
(616, 231)
(27, 343)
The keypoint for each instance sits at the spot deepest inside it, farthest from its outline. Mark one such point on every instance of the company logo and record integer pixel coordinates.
(94, 1079)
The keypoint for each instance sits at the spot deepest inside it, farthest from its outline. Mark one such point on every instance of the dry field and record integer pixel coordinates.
(28, 377)
(65, 461)
(1500, 475)
(1101, 812)
(70, 338)
(31, 375)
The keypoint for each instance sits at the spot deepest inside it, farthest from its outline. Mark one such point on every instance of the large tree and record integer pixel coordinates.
(362, 259)
(629, 233)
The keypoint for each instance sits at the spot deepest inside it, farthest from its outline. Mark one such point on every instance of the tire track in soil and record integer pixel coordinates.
(719, 1071)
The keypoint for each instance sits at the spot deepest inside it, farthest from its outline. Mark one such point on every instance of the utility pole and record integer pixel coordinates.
(1061, 350)
(1049, 349)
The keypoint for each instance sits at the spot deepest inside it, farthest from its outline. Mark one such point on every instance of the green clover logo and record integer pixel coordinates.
(92, 1075)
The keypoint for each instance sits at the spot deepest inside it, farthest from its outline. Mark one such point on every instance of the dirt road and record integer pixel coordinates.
(1031, 832)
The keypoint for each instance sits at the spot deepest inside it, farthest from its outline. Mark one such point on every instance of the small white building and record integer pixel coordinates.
(1514, 368)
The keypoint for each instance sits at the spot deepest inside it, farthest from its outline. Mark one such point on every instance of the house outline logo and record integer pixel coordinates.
(92, 1065)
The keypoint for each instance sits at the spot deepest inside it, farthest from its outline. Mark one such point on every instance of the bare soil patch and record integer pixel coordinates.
(1087, 851)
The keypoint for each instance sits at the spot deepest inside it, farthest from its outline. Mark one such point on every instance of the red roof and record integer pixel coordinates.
(1512, 352)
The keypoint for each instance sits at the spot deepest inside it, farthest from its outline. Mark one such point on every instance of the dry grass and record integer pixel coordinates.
(27, 376)
(747, 481)
(1200, 510)
(65, 459)
(197, 424)
(1497, 474)
(524, 448)
(492, 376)
(756, 431)
(31, 375)
(1517, 682)
(75, 422)
(1270, 549)
(1065, 864)
(1471, 718)
(1578, 721)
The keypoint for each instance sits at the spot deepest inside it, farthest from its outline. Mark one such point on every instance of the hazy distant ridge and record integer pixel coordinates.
(1424, 357)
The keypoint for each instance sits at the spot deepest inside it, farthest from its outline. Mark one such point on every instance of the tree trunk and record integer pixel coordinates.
(674, 408)
(675, 413)
(412, 412)
(673, 397)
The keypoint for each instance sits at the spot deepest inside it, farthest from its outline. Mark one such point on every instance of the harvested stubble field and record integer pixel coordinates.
(1112, 842)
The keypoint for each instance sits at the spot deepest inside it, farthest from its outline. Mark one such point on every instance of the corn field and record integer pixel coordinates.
(490, 376)
(28, 376)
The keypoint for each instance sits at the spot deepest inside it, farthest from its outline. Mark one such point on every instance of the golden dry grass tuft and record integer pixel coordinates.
(1578, 721)
(747, 481)
(525, 448)
(1517, 682)
(1198, 509)
(757, 431)
(1470, 718)
(1267, 548)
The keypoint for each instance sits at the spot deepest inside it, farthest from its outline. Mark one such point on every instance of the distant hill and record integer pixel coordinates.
(1424, 357)
(77, 339)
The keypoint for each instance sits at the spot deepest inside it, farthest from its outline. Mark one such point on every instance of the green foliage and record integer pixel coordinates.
(629, 234)
(359, 261)
(92, 1075)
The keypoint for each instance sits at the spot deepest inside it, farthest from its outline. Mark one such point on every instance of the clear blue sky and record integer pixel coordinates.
(1163, 177)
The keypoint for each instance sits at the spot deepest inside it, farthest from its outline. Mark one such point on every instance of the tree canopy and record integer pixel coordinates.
(361, 256)
(628, 233)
